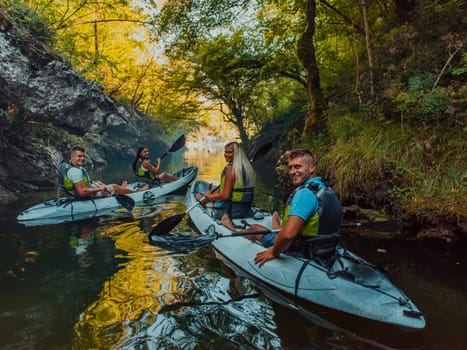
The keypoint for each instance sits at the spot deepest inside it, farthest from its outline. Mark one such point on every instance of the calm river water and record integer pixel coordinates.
(98, 284)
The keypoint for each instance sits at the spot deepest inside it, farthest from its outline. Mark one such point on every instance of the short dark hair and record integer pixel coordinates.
(77, 149)
(302, 152)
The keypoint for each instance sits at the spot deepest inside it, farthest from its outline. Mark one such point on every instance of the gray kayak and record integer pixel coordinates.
(64, 209)
(349, 284)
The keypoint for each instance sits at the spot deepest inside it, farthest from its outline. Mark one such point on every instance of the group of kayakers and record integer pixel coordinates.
(311, 209)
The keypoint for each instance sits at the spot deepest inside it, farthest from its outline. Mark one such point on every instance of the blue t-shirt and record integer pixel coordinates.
(76, 174)
(297, 208)
(304, 202)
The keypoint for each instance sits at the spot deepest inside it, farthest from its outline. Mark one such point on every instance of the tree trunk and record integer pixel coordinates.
(238, 122)
(96, 45)
(353, 42)
(316, 119)
(369, 49)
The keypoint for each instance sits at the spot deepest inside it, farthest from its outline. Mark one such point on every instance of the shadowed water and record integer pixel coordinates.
(98, 284)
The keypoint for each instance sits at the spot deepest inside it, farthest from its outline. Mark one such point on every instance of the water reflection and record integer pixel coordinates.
(181, 301)
(210, 162)
(45, 288)
(80, 238)
(163, 300)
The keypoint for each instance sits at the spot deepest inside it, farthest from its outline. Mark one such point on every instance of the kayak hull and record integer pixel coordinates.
(361, 291)
(60, 210)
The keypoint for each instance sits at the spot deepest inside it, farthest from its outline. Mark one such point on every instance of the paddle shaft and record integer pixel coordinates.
(246, 233)
(172, 242)
(169, 223)
(199, 201)
(195, 205)
(179, 143)
(262, 232)
(393, 225)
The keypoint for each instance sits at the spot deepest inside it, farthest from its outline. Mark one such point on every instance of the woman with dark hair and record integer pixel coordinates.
(147, 171)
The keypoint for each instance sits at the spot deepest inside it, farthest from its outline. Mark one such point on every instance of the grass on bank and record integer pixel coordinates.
(410, 170)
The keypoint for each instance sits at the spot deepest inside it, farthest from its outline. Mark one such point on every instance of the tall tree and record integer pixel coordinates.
(316, 119)
(228, 70)
(369, 46)
(184, 24)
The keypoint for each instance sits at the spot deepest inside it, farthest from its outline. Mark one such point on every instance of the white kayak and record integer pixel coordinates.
(65, 209)
(349, 285)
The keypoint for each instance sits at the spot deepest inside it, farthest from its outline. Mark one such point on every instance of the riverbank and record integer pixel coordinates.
(404, 171)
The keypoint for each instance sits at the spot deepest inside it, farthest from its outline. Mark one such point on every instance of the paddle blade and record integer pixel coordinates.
(178, 144)
(176, 243)
(261, 151)
(127, 202)
(166, 225)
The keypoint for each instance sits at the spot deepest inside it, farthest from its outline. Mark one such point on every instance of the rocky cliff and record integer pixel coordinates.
(45, 108)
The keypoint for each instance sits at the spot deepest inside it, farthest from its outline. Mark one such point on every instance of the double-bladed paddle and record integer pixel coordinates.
(179, 143)
(166, 225)
(183, 243)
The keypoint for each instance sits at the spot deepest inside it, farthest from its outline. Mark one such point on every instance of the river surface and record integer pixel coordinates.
(98, 284)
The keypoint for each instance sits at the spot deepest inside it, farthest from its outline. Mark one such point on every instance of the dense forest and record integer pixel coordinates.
(375, 88)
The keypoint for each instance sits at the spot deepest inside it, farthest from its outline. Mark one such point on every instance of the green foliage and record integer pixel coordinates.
(395, 175)
(228, 70)
(418, 170)
(421, 103)
(356, 160)
(182, 24)
(286, 123)
(106, 41)
(463, 69)
(35, 22)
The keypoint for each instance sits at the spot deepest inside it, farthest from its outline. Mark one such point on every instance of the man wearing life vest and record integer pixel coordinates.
(312, 209)
(75, 180)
